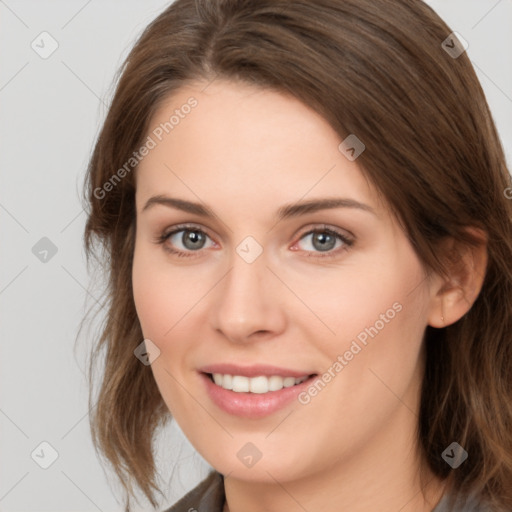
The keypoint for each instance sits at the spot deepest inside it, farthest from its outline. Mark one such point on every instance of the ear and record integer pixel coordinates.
(453, 296)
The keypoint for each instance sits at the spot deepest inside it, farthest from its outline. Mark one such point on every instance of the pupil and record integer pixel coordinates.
(194, 237)
(322, 237)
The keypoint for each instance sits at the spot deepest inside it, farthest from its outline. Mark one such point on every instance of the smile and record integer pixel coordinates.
(254, 396)
(260, 384)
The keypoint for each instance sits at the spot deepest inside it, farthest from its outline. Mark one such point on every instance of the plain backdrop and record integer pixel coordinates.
(51, 111)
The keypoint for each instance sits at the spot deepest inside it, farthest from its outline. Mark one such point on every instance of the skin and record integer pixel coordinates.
(244, 152)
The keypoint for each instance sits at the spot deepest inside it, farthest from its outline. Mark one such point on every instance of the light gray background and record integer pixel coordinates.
(51, 111)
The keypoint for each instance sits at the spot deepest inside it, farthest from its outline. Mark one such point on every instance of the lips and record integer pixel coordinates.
(254, 370)
(268, 393)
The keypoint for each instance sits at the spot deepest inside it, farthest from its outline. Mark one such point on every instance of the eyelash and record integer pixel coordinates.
(161, 239)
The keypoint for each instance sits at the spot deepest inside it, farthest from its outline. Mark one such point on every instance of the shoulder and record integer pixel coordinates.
(207, 496)
(462, 504)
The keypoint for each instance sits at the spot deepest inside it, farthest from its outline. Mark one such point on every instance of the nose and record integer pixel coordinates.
(249, 302)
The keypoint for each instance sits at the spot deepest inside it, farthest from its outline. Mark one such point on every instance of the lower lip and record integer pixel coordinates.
(252, 405)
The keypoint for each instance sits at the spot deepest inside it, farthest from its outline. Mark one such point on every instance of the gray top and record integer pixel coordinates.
(208, 496)
(468, 505)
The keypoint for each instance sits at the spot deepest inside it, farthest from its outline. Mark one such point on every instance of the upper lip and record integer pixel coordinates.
(253, 371)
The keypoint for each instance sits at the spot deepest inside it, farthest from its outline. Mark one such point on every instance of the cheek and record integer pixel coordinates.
(165, 298)
(375, 296)
(377, 316)
(381, 339)
(159, 309)
(152, 294)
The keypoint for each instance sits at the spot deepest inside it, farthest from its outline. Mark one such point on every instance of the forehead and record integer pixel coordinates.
(245, 140)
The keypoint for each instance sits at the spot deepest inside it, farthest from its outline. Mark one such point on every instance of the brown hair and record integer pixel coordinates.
(374, 68)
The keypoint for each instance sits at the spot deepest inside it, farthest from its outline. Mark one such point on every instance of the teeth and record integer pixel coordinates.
(261, 384)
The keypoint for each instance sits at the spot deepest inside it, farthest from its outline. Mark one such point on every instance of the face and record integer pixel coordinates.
(335, 296)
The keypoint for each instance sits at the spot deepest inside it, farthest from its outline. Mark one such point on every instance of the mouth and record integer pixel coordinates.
(254, 396)
(260, 384)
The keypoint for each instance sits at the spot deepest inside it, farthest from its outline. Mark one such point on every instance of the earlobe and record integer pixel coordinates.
(454, 295)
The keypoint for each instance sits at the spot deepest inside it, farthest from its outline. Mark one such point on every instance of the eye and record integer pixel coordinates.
(193, 238)
(323, 240)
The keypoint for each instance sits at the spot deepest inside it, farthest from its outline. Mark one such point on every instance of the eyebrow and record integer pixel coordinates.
(284, 212)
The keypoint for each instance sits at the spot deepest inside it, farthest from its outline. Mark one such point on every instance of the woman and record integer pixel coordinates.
(303, 206)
